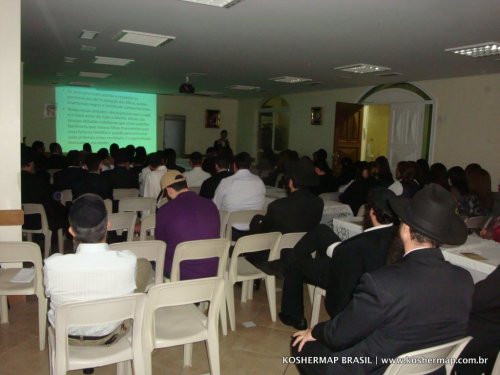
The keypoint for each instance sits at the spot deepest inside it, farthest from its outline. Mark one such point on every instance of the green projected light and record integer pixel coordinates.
(104, 117)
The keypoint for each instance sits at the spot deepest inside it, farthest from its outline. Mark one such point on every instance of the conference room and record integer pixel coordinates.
(403, 80)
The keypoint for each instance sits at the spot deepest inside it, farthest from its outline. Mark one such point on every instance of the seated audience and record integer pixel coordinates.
(484, 327)
(383, 175)
(406, 184)
(355, 194)
(186, 217)
(479, 201)
(106, 160)
(420, 302)
(121, 176)
(56, 159)
(350, 259)
(327, 182)
(208, 164)
(423, 172)
(222, 167)
(152, 175)
(87, 148)
(241, 191)
(439, 175)
(65, 178)
(196, 175)
(93, 181)
(93, 272)
(170, 157)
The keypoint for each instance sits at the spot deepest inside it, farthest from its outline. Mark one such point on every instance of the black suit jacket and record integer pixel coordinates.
(65, 178)
(122, 178)
(94, 183)
(208, 186)
(301, 211)
(355, 256)
(421, 302)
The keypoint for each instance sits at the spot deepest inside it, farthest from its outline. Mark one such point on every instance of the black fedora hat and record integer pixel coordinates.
(302, 173)
(431, 212)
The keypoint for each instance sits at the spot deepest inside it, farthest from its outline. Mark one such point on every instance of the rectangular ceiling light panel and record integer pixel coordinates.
(215, 3)
(81, 83)
(244, 88)
(362, 68)
(87, 48)
(477, 50)
(288, 79)
(94, 75)
(112, 61)
(87, 34)
(144, 39)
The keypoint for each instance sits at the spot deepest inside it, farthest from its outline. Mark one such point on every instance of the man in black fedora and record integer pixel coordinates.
(420, 302)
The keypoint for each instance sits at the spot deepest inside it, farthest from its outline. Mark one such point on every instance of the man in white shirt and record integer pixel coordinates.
(197, 175)
(241, 191)
(93, 272)
(152, 179)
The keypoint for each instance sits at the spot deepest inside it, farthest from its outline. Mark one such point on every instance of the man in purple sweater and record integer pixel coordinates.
(186, 217)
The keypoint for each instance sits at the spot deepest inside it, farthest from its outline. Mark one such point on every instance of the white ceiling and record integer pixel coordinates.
(256, 40)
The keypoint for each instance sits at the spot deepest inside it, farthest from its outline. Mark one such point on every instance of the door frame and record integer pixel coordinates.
(403, 93)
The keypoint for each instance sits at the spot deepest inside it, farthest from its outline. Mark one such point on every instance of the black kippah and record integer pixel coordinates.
(87, 211)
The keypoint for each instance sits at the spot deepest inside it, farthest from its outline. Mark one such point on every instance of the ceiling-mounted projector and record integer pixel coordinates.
(186, 87)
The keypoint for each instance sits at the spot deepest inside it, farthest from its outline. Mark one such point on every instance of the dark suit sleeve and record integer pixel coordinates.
(360, 318)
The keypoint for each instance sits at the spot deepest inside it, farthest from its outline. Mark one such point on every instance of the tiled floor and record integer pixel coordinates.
(257, 350)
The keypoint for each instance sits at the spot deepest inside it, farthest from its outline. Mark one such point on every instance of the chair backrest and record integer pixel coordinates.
(237, 217)
(108, 203)
(477, 222)
(36, 208)
(183, 293)
(250, 244)
(94, 313)
(361, 211)
(333, 196)
(496, 367)
(123, 221)
(136, 204)
(161, 202)
(148, 224)
(287, 241)
(223, 215)
(150, 250)
(17, 252)
(201, 249)
(123, 193)
(66, 196)
(444, 353)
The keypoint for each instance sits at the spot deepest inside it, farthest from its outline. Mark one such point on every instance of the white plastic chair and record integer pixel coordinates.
(449, 351)
(16, 252)
(242, 270)
(66, 196)
(238, 217)
(361, 211)
(64, 357)
(331, 196)
(123, 221)
(36, 208)
(476, 222)
(203, 249)
(124, 193)
(148, 225)
(496, 367)
(137, 204)
(316, 293)
(108, 203)
(154, 251)
(172, 319)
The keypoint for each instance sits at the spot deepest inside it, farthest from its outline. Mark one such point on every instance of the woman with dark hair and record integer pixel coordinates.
(355, 194)
(458, 182)
(383, 176)
(423, 172)
(405, 185)
(479, 201)
(439, 175)
(327, 182)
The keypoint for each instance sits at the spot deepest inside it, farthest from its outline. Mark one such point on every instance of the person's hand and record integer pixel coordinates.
(301, 337)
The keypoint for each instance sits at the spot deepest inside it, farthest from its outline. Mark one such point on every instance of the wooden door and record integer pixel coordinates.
(347, 134)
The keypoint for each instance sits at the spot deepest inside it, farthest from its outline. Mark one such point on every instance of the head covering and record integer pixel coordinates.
(302, 173)
(87, 211)
(171, 177)
(431, 212)
(378, 197)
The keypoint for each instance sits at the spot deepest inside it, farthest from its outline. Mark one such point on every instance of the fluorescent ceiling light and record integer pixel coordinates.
(215, 3)
(477, 50)
(87, 48)
(87, 34)
(112, 61)
(145, 39)
(94, 75)
(70, 59)
(244, 88)
(362, 68)
(288, 79)
(81, 83)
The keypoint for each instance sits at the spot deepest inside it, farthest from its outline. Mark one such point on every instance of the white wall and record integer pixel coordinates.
(10, 112)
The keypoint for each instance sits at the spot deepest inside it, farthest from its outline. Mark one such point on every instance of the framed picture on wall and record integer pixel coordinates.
(49, 110)
(212, 118)
(315, 115)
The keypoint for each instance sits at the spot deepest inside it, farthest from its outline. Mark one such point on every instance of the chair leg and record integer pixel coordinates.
(4, 310)
(188, 355)
(124, 368)
(230, 305)
(271, 295)
(42, 321)
(244, 291)
(48, 237)
(316, 307)
(213, 355)
(310, 289)
(60, 241)
(250, 290)
(148, 367)
(223, 316)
